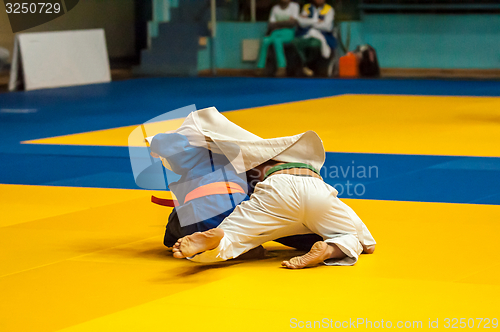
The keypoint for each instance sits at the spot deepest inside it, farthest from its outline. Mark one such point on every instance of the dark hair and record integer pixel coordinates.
(270, 162)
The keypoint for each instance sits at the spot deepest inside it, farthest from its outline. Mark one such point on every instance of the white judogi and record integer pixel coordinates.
(210, 129)
(284, 205)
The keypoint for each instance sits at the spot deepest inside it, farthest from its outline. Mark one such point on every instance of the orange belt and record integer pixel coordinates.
(216, 188)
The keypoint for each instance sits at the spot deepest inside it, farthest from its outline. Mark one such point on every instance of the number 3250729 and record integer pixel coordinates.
(33, 8)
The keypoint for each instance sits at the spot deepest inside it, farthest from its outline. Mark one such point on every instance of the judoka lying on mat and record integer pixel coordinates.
(209, 188)
(292, 200)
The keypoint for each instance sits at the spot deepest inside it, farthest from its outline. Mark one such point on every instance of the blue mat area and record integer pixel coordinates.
(53, 112)
(414, 178)
(367, 176)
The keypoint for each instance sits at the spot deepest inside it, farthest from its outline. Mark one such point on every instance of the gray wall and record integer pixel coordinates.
(116, 17)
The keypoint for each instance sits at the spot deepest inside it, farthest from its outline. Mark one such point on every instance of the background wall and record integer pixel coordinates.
(229, 42)
(401, 40)
(115, 16)
(434, 41)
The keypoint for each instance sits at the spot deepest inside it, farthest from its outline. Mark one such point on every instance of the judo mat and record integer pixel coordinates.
(418, 160)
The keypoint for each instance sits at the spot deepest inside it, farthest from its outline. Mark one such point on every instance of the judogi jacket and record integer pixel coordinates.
(210, 129)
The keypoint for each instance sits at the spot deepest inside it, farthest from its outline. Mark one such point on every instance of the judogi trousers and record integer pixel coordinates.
(285, 205)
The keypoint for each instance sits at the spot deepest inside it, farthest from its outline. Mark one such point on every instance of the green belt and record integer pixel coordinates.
(289, 166)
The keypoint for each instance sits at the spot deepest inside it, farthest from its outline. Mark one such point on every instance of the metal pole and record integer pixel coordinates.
(253, 10)
(213, 27)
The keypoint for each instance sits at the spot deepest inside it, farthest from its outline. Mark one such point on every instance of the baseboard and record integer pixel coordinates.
(389, 72)
(116, 75)
(228, 72)
(441, 73)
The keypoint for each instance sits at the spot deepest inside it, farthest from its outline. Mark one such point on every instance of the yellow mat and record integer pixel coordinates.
(88, 259)
(462, 126)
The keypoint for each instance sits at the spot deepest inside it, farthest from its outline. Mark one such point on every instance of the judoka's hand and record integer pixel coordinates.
(154, 155)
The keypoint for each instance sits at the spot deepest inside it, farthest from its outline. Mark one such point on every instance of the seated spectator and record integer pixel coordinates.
(315, 31)
(282, 23)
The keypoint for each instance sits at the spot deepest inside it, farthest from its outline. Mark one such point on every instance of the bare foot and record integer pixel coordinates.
(368, 249)
(197, 242)
(318, 253)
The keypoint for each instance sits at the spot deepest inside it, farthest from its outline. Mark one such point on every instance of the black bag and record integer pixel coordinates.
(368, 64)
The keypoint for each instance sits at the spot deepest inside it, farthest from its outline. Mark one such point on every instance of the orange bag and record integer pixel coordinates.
(348, 65)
